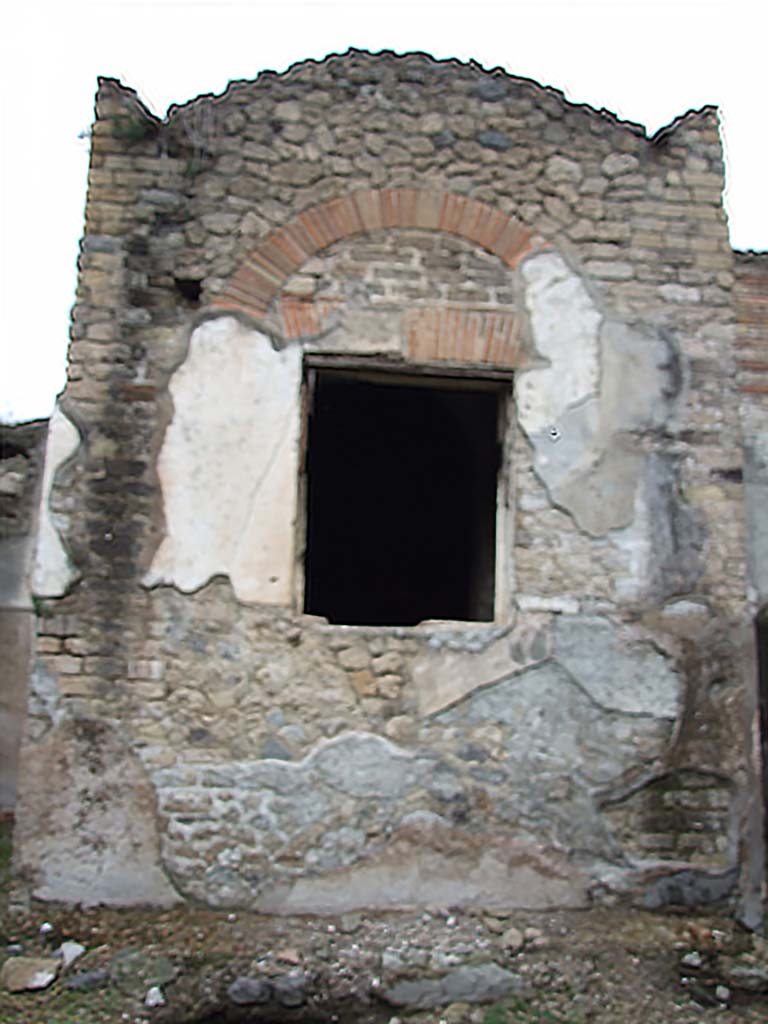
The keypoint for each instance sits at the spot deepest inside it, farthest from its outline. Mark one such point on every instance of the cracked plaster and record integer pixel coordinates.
(229, 463)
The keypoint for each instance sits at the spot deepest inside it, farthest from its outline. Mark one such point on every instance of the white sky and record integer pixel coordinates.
(646, 61)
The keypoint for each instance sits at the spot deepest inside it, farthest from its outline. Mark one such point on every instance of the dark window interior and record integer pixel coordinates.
(401, 481)
(761, 641)
(189, 289)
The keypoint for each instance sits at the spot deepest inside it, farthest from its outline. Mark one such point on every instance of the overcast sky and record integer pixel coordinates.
(646, 61)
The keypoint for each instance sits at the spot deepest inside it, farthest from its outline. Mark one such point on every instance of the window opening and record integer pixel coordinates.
(761, 644)
(401, 498)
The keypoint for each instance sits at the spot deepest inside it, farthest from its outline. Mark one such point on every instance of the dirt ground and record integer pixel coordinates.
(608, 965)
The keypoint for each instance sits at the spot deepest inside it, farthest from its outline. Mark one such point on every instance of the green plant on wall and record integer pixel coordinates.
(41, 609)
(129, 128)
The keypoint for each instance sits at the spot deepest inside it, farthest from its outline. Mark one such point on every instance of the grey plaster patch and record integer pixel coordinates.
(287, 814)
(573, 454)
(676, 531)
(557, 730)
(641, 376)
(663, 548)
(44, 694)
(603, 498)
(631, 678)
(338, 849)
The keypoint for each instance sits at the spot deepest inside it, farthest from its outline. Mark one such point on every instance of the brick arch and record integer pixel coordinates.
(253, 286)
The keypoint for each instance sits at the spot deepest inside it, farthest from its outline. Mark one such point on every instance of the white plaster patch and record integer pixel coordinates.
(53, 571)
(229, 464)
(560, 605)
(565, 324)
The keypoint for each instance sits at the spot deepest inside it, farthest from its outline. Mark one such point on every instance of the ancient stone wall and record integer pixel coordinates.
(454, 228)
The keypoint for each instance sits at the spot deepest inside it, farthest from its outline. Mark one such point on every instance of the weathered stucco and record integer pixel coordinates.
(605, 381)
(85, 783)
(408, 224)
(53, 571)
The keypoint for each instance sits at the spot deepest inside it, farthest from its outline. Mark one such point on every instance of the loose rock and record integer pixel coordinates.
(28, 973)
(513, 940)
(290, 990)
(132, 970)
(154, 997)
(465, 984)
(69, 951)
(692, 959)
(88, 979)
(249, 991)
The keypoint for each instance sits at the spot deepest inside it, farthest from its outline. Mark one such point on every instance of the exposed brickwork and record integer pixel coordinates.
(471, 336)
(304, 317)
(683, 816)
(456, 299)
(751, 304)
(254, 285)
